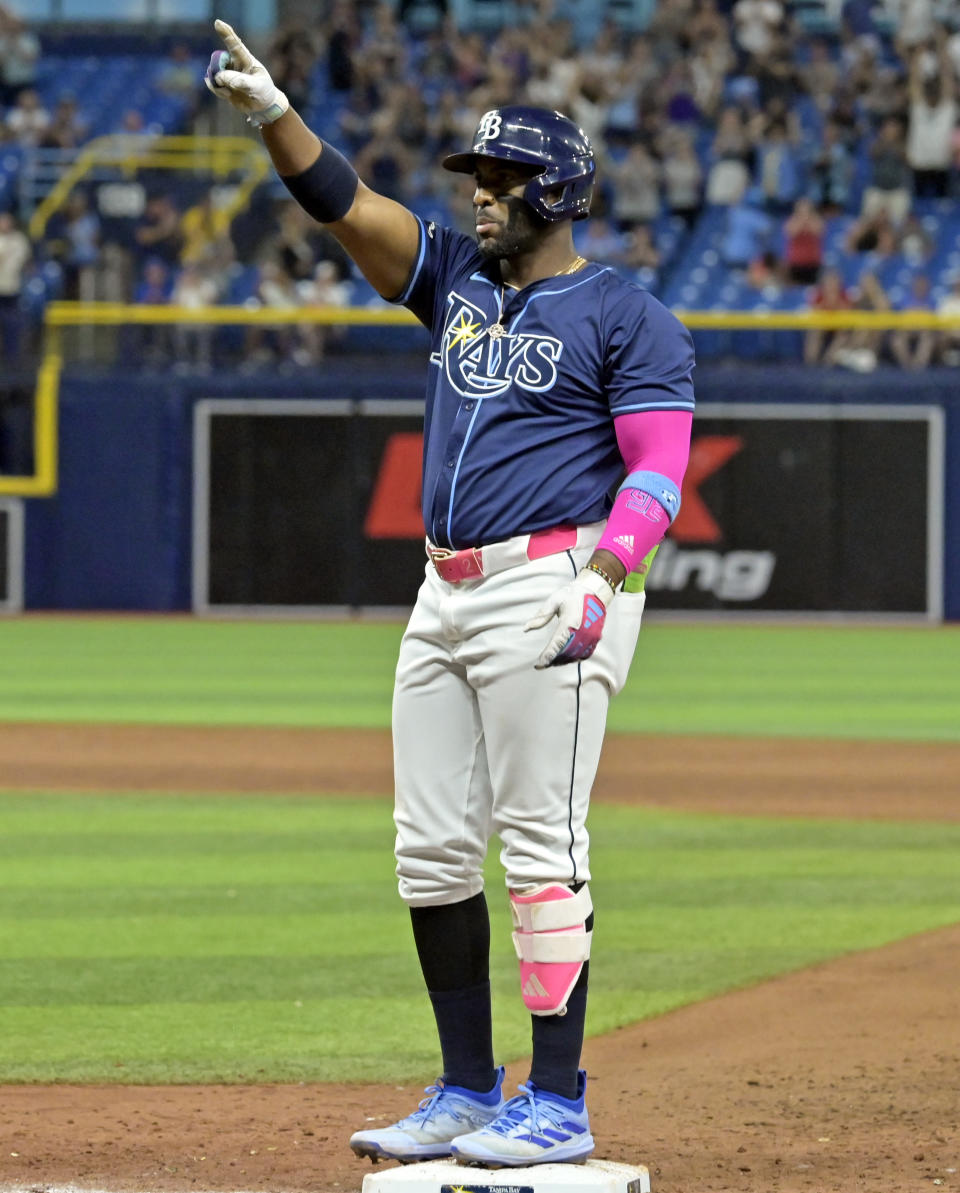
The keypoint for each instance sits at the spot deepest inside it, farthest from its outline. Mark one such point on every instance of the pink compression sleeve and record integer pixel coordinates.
(655, 441)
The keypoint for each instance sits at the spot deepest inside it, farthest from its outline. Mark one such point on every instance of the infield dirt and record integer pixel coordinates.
(841, 1078)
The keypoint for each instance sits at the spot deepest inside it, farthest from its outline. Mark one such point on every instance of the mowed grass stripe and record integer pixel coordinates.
(813, 681)
(219, 961)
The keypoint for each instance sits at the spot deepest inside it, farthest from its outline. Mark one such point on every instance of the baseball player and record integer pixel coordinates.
(557, 430)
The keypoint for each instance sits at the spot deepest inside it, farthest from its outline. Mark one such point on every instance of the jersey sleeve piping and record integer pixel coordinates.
(657, 405)
(415, 272)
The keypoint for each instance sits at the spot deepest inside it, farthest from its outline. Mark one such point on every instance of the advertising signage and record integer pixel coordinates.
(785, 509)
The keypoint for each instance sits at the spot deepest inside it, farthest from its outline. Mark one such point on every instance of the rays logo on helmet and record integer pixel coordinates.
(479, 365)
(489, 127)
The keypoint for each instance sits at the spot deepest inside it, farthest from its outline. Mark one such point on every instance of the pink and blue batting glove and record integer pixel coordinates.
(219, 60)
(235, 75)
(581, 610)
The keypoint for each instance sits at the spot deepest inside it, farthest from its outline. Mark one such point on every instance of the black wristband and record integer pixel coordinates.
(326, 189)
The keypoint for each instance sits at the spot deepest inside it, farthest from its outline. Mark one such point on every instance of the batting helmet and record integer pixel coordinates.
(537, 137)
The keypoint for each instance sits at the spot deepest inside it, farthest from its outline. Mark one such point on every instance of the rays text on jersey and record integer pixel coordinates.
(481, 363)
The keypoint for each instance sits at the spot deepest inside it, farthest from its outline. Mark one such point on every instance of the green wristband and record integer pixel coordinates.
(638, 577)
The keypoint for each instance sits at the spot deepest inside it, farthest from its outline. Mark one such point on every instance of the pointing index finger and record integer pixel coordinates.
(230, 39)
(241, 58)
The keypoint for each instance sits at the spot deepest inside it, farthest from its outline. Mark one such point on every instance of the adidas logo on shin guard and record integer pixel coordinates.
(534, 988)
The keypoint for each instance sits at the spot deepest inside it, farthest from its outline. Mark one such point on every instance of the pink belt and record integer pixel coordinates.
(474, 562)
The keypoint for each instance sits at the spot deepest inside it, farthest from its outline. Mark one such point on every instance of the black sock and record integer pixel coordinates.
(558, 1039)
(453, 944)
(558, 1042)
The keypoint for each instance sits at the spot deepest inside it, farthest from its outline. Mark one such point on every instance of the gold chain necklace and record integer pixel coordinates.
(497, 329)
(575, 264)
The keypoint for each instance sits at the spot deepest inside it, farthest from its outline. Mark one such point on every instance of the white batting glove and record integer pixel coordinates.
(581, 607)
(235, 75)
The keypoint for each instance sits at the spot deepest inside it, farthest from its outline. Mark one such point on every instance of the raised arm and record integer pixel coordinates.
(380, 235)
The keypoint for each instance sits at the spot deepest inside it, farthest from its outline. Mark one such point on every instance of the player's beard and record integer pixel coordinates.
(521, 234)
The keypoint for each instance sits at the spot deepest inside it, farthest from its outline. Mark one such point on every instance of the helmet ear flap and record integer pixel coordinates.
(563, 192)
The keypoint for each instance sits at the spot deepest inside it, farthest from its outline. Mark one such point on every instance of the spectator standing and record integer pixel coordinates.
(323, 289)
(587, 106)
(707, 21)
(67, 128)
(15, 254)
(342, 40)
(748, 232)
(755, 23)
(443, 124)
(295, 60)
(78, 242)
(858, 24)
(158, 232)
(803, 254)
(298, 241)
(891, 179)
(779, 171)
(878, 86)
(913, 348)
(821, 345)
(178, 78)
(19, 56)
(831, 173)
(199, 228)
(154, 287)
(637, 179)
(603, 57)
(152, 343)
(384, 163)
(865, 343)
(821, 75)
(914, 241)
(682, 178)
(194, 289)
(915, 26)
(275, 291)
(948, 340)
(779, 80)
(845, 113)
(933, 116)
(28, 120)
(731, 151)
(711, 61)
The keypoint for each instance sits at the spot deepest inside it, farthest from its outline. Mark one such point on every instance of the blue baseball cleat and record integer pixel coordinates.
(536, 1127)
(448, 1111)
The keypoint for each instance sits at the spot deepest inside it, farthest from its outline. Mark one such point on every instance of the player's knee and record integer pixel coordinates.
(552, 941)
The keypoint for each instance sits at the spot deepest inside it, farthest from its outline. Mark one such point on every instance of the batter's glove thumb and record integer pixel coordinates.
(581, 609)
(235, 75)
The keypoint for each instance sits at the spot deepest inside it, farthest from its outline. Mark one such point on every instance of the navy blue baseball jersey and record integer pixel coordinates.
(524, 385)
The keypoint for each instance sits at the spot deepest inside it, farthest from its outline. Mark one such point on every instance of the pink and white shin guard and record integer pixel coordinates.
(552, 943)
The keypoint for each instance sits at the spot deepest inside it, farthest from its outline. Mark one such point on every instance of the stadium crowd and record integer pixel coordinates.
(788, 119)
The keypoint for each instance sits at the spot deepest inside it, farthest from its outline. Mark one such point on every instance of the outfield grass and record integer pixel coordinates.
(815, 681)
(171, 939)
